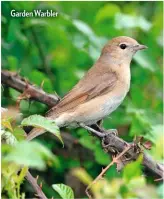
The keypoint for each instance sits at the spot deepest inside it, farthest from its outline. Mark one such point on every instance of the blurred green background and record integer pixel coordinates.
(59, 51)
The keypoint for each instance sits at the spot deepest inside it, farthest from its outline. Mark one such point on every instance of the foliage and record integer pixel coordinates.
(18, 156)
(64, 191)
(41, 122)
(55, 53)
(131, 185)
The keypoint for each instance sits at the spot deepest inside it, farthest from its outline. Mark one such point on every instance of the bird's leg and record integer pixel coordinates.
(100, 123)
(92, 130)
(99, 131)
(98, 127)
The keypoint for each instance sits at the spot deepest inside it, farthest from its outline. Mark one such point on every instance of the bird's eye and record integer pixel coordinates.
(123, 46)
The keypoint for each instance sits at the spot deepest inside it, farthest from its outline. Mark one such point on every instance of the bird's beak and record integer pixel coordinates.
(140, 47)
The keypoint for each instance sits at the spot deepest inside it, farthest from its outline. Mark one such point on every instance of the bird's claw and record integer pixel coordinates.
(113, 131)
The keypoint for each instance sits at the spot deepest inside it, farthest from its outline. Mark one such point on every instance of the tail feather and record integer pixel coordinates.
(34, 133)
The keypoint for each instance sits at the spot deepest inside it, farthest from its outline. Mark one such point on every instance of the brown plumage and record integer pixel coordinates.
(100, 91)
(82, 93)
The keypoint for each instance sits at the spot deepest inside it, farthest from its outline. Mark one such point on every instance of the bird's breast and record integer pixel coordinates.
(111, 103)
(124, 77)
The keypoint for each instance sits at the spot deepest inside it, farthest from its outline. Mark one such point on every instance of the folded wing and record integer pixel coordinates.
(91, 86)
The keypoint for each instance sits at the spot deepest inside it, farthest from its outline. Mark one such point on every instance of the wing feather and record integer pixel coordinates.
(87, 89)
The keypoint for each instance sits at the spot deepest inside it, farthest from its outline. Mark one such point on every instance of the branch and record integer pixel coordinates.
(36, 187)
(125, 153)
(114, 145)
(111, 143)
(13, 80)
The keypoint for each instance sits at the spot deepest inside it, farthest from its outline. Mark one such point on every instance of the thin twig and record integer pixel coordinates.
(115, 159)
(36, 187)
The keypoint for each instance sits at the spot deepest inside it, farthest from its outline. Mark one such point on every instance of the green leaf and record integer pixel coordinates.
(146, 61)
(86, 141)
(13, 62)
(101, 157)
(136, 182)
(83, 27)
(64, 191)
(133, 169)
(108, 11)
(19, 133)
(24, 6)
(31, 154)
(88, 32)
(136, 128)
(82, 175)
(7, 124)
(156, 137)
(14, 94)
(47, 86)
(8, 138)
(160, 190)
(156, 132)
(42, 122)
(128, 21)
(21, 175)
(35, 22)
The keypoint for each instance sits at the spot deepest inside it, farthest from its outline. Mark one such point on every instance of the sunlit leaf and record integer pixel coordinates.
(145, 61)
(22, 175)
(31, 154)
(19, 133)
(107, 11)
(132, 169)
(6, 123)
(128, 21)
(35, 22)
(160, 191)
(156, 136)
(42, 122)
(101, 157)
(7, 137)
(64, 191)
(82, 175)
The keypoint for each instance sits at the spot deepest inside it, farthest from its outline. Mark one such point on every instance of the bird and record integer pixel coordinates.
(101, 90)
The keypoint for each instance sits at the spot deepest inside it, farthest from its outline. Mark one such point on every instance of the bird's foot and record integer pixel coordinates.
(113, 131)
(107, 143)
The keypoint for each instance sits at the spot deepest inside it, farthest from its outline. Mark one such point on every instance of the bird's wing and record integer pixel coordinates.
(88, 88)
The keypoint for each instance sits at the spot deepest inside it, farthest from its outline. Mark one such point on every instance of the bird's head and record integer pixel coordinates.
(122, 48)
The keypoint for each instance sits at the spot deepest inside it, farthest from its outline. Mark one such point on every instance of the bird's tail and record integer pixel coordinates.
(34, 133)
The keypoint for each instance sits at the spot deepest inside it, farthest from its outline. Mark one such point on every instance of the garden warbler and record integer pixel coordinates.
(100, 91)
